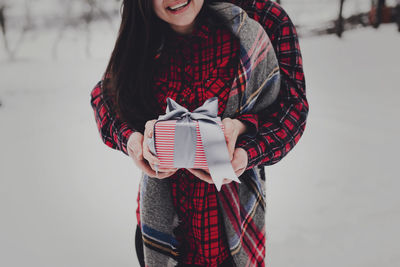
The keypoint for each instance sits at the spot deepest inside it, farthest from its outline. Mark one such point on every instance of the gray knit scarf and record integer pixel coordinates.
(242, 205)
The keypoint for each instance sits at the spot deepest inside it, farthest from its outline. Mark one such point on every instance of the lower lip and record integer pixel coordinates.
(180, 10)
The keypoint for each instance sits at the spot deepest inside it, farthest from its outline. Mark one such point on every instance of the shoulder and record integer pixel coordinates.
(268, 13)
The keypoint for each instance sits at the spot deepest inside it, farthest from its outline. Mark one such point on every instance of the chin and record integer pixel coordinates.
(183, 22)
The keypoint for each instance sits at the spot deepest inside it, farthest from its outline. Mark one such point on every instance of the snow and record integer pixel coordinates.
(333, 201)
(68, 200)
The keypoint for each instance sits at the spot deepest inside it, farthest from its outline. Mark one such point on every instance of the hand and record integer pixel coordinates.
(205, 176)
(239, 161)
(239, 164)
(232, 129)
(138, 150)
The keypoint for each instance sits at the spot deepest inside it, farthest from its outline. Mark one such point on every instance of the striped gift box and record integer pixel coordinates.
(164, 144)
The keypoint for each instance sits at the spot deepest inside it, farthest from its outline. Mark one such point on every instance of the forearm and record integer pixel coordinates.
(282, 124)
(281, 127)
(113, 131)
(242, 127)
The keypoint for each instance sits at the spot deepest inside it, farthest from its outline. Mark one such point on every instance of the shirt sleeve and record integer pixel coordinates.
(283, 123)
(251, 122)
(114, 132)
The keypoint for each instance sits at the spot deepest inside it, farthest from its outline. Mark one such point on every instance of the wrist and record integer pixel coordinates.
(134, 137)
(243, 146)
(242, 151)
(242, 128)
(136, 134)
(243, 154)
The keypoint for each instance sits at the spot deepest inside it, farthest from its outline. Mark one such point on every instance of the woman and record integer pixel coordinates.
(188, 51)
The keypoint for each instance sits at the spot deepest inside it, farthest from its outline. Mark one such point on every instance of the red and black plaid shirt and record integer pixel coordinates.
(191, 70)
(200, 66)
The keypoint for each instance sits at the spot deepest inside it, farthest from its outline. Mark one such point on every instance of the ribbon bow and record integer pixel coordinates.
(212, 137)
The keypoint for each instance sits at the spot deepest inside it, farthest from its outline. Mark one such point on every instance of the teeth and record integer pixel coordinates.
(179, 5)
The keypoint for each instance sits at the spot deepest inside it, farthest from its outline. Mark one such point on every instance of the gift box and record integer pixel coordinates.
(164, 132)
(183, 139)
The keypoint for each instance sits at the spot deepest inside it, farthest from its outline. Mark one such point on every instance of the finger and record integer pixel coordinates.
(229, 136)
(148, 155)
(239, 163)
(239, 158)
(163, 170)
(160, 175)
(201, 175)
(163, 175)
(167, 170)
(231, 148)
(149, 128)
(135, 152)
(139, 153)
(226, 181)
(238, 167)
(144, 166)
(228, 129)
(227, 122)
(135, 146)
(153, 166)
(240, 171)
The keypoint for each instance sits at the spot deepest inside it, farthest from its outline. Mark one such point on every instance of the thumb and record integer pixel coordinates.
(135, 144)
(229, 136)
(240, 159)
(231, 148)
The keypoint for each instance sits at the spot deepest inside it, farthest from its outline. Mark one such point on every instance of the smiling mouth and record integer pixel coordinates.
(179, 6)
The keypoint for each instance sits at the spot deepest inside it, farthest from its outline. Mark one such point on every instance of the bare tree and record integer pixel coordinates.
(3, 25)
(398, 14)
(379, 5)
(90, 11)
(95, 9)
(339, 22)
(27, 25)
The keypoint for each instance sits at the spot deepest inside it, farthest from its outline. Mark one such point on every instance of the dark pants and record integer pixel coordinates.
(140, 253)
(139, 246)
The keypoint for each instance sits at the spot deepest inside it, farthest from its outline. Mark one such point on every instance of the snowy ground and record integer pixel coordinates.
(334, 200)
(68, 200)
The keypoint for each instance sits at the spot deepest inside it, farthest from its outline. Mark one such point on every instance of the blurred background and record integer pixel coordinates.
(68, 200)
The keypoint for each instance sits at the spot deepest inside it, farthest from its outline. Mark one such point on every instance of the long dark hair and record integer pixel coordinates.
(128, 79)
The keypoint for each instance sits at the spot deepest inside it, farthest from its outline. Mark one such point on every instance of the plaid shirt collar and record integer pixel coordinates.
(174, 40)
(200, 31)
